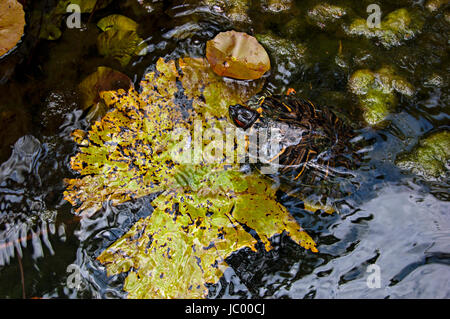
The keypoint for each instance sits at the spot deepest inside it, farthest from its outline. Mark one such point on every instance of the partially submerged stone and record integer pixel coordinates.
(275, 6)
(235, 10)
(12, 24)
(286, 55)
(430, 158)
(324, 14)
(398, 26)
(376, 92)
(435, 5)
(237, 55)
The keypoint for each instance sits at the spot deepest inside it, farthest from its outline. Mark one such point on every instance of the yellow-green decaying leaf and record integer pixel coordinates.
(199, 216)
(119, 40)
(184, 243)
(12, 23)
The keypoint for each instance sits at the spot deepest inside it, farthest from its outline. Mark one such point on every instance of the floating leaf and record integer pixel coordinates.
(199, 216)
(237, 55)
(12, 23)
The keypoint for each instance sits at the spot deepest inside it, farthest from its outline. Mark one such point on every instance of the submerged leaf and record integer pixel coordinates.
(12, 23)
(237, 55)
(104, 79)
(119, 40)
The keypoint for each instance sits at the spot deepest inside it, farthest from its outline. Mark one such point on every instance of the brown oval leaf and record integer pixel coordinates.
(12, 23)
(237, 55)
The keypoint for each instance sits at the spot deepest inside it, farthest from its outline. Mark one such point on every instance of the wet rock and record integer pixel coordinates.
(234, 10)
(435, 5)
(324, 14)
(376, 92)
(397, 27)
(430, 158)
(275, 6)
(288, 57)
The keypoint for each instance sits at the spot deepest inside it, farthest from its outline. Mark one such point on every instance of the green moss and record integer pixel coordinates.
(286, 54)
(376, 92)
(324, 14)
(430, 158)
(275, 6)
(398, 26)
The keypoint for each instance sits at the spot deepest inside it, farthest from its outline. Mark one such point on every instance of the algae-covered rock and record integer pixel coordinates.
(430, 158)
(235, 10)
(286, 55)
(237, 55)
(120, 39)
(324, 14)
(376, 92)
(275, 6)
(398, 26)
(435, 5)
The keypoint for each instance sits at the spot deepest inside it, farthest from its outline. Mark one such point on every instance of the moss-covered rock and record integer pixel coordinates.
(435, 5)
(324, 14)
(398, 26)
(285, 55)
(376, 92)
(430, 158)
(275, 6)
(234, 10)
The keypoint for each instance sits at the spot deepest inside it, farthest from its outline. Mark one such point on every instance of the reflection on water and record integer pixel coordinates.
(395, 220)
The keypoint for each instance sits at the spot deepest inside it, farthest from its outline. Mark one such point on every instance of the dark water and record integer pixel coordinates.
(395, 220)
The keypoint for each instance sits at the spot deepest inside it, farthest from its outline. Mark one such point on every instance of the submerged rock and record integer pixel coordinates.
(398, 26)
(430, 158)
(376, 92)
